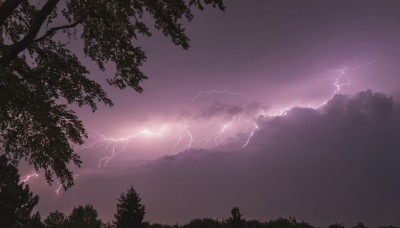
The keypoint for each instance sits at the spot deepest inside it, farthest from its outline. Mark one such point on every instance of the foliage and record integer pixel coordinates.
(40, 75)
(360, 225)
(236, 219)
(336, 225)
(200, 223)
(254, 224)
(35, 221)
(84, 217)
(287, 223)
(108, 225)
(130, 212)
(16, 200)
(55, 219)
(158, 225)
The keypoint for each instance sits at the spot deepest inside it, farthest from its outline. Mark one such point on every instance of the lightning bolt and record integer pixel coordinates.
(119, 145)
(183, 130)
(251, 134)
(105, 160)
(222, 131)
(218, 135)
(58, 189)
(337, 84)
(28, 177)
(184, 139)
(124, 141)
(207, 93)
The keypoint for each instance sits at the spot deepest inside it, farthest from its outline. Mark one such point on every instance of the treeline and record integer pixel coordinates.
(130, 216)
(17, 203)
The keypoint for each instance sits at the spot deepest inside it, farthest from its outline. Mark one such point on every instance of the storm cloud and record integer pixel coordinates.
(217, 108)
(338, 163)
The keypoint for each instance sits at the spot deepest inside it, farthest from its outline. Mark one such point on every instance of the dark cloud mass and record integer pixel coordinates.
(339, 163)
(217, 108)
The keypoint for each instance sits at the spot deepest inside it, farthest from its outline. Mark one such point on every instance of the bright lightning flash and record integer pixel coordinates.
(184, 132)
(119, 145)
(57, 191)
(28, 177)
(337, 84)
(251, 134)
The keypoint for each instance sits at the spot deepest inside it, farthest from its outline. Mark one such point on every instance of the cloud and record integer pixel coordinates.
(221, 109)
(339, 163)
(185, 113)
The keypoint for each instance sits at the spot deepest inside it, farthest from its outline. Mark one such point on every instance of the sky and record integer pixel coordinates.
(282, 108)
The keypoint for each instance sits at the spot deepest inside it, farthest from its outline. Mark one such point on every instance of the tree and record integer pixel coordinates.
(287, 223)
(55, 219)
(254, 224)
(84, 217)
(40, 76)
(16, 200)
(201, 223)
(35, 221)
(360, 225)
(337, 225)
(130, 212)
(236, 219)
(108, 225)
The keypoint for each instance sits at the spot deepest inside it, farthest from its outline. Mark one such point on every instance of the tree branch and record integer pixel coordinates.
(55, 29)
(48, 33)
(37, 24)
(7, 8)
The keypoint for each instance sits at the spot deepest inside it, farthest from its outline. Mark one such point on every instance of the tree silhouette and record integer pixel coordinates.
(84, 217)
(287, 223)
(360, 225)
(200, 223)
(38, 70)
(55, 219)
(130, 212)
(254, 224)
(236, 219)
(16, 200)
(35, 221)
(108, 225)
(336, 225)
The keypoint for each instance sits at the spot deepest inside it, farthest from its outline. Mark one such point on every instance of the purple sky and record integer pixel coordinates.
(214, 129)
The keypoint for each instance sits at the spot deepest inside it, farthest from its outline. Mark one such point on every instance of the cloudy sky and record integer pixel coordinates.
(282, 108)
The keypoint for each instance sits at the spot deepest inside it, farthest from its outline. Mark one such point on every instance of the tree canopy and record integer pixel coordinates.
(56, 219)
(84, 217)
(236, 219)
(16, 200)
(40, 76)
(35, 221)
